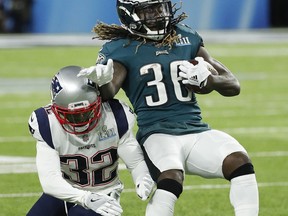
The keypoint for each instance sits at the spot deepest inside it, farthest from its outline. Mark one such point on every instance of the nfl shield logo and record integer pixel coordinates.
(85, 137)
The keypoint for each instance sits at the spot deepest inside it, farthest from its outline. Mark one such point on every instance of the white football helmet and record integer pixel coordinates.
(75, 101)
(147, 18)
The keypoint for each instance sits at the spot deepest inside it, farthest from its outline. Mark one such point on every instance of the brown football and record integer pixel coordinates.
(209, 66)
(196, 89)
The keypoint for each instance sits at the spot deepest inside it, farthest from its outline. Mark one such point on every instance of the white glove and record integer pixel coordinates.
(144, 186)
(99, 73)
(103, 204)
(195, 75)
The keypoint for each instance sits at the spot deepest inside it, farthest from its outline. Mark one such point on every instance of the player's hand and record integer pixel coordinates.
(195, 75)
(103, 204)
(144, 186)
(99, 73)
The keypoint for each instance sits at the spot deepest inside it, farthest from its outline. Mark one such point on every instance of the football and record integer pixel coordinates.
(209, 66)
(196, 89)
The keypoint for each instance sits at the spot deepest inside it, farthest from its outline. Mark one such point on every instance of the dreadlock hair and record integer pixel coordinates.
(109, 32)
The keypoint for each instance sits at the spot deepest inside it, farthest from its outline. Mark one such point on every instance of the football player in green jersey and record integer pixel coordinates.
(150, 57)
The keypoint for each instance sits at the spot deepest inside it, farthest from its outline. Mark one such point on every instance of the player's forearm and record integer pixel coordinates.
(226, 85)
(134, 161)
(139, 171)
(56, 186)
(108, 91)
(50, 176)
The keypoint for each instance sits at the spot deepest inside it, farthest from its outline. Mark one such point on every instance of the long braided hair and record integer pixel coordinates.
(109, 32)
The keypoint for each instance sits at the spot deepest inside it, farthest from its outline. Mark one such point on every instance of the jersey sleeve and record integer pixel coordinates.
(101, 59)
(129, 149)
(39, 125)
(34, 127)
(131, 118)
(132, 155)
(114, 50)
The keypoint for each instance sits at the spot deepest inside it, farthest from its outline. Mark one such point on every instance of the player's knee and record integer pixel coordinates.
(245, 169)
(175, 174)
(171, 181)
(236, 164)
(171, 186)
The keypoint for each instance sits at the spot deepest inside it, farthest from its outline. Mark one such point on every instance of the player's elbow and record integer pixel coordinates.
(236, 88)
(231, 91)
(46, 187)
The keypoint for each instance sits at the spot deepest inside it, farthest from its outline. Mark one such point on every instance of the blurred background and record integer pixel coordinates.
(74, 16)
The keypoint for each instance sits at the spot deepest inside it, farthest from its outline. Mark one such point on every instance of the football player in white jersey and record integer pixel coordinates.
(79, 142)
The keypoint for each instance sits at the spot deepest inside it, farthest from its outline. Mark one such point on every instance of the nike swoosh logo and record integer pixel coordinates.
(94, 200)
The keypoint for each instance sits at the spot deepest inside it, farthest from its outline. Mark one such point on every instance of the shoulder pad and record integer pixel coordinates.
(39, 125)
(124, 116)
(34, 127)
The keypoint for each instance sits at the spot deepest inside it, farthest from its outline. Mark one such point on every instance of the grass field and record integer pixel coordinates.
(258, 118)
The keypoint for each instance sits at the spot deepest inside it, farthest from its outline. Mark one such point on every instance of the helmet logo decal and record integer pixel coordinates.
(85, 137)
(55, 86)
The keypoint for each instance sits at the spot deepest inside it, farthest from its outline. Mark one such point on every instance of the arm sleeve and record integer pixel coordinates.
(50, 176)
(131, 154)
(129, 149)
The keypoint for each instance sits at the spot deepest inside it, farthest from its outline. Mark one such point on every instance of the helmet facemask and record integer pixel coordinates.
(149, 19)
(80, 117)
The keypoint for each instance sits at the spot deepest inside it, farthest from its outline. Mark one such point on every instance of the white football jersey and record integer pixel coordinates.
(89, 161)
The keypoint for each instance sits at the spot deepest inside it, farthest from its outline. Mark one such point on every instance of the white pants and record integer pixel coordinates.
(196, 154)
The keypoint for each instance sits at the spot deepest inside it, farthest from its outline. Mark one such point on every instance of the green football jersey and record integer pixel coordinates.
(153, 86)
